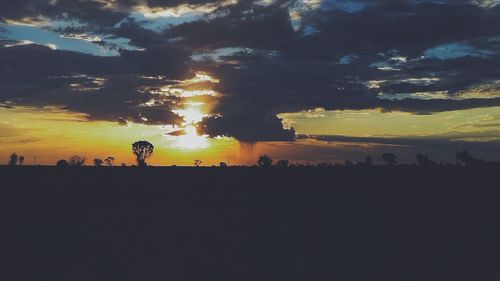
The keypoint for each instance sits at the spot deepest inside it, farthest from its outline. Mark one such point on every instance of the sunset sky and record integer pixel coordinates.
(309, 81)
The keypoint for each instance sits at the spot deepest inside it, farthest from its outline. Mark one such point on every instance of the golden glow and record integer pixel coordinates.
(51, 134)
(479, 123)
(188, 93)
(191, 139)
(202, 77)
(200, 85)
(182, 10)
(192, 113)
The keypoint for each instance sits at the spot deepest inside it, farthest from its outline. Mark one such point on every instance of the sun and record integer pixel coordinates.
(192, 113)
(191, 139)
(193, 110)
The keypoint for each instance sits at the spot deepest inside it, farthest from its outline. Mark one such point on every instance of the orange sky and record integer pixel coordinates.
(51, 134)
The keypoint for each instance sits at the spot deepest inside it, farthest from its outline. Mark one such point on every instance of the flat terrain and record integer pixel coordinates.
(249, 224)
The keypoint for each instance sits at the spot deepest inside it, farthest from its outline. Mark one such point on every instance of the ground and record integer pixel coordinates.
(238, 224)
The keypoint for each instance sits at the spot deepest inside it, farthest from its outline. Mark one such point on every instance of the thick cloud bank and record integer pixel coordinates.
(270, 56)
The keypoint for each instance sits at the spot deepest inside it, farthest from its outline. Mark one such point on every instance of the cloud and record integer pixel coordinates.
(247, 127)
(270, 57)
(256, 28)
(103, 88)
(455, 50)
(78, 42)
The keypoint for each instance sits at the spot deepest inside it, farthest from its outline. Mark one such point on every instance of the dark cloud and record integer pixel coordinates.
(103, 88)
(138, 35)
(291, 60)
(254, 28)
(247, 127)
(406, 27)
(94, 12)
(302, 71)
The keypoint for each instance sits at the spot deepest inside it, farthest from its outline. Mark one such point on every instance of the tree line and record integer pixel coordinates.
(142, 150)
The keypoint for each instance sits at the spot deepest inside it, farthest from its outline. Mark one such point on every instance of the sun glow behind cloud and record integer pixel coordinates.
(182, 10)
(158, 19)
(192, 112)
(51, 134)
(190, 139)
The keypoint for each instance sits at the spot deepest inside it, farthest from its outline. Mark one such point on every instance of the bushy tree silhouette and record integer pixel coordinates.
(223, 164)
(467, 159)
(13, 159)
(76, 161)
(282, 163)
(109, 161)
(62, 163)
(21, 160)
(389, 158)
(142, 150)
(424, 160)
(98, 162)
(265, 161)
(197, 163)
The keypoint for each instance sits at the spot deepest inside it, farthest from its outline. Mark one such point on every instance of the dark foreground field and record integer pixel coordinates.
(243, 224)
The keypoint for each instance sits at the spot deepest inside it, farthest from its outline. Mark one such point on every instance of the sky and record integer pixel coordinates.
(306, 80)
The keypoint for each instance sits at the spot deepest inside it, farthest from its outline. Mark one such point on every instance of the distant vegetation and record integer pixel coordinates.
(109, 161)
(76, 161)
(13, 159)
(265, 161)
(389, 158)
(98, 162)
(142, 150)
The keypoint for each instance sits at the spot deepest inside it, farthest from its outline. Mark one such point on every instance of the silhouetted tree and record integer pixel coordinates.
(467, 159)
(265, 161)
(222, 164)
(109, 161)
(21, 160)
(124, 165)
(98, 162)
(142, 150)
(76, 161)
(389, 158)
(62, 163)
(197, 163)
(348, 163)
(369, 161)
(282, 163)
(13, 159)
(424, 160)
